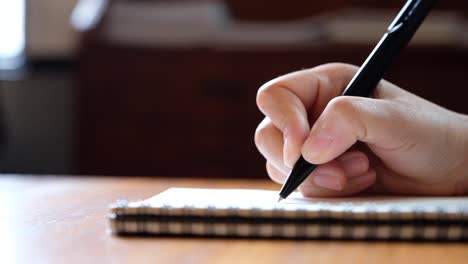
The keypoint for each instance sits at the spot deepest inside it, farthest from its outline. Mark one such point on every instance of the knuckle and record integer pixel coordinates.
(262, 133)
(341, 67)
(264, 96)
(267, 94)
(343, 105)
(349, 111)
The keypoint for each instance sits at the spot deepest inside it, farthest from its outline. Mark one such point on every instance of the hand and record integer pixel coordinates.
(394, 142)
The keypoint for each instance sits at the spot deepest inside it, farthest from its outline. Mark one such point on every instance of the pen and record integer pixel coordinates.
(398, 34)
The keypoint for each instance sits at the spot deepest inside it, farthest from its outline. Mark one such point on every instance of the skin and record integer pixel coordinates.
(394, 142)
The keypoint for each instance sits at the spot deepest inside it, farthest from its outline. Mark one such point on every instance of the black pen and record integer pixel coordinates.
(399, 33)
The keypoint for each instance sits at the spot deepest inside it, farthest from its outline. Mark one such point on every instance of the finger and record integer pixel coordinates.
(275, 174)
(353, 186)
(354, 163)
(329, 176)
(334, 174)
(287, 101)
(347, 120)
(269, 142)
(289, 115)
(313, 87)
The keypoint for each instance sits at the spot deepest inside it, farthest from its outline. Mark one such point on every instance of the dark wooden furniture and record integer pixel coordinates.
(191, 112)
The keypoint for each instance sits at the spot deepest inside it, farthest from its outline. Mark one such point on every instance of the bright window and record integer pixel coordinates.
(12, 33)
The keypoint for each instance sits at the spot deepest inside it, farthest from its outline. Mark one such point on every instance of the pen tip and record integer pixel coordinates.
(280, 199)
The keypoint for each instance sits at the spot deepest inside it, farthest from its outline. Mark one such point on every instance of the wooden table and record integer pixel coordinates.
(63, 220)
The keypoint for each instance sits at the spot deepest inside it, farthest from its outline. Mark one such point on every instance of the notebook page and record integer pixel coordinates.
(266, 200)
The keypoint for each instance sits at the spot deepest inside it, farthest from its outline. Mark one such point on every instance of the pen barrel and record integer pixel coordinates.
(397, 37)
(366, 79)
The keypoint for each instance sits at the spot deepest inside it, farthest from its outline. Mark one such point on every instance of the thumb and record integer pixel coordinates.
(348, 119)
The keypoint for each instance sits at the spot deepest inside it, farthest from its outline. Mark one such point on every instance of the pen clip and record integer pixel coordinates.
(406, 12)
(394, 28)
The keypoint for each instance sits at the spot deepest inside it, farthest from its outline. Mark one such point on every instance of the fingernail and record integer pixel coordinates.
(329, 181)
(367, 178)
(354, 165)
(287, 153)
(291, 152)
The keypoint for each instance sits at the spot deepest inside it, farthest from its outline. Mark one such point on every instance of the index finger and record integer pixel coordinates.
(314, 88)
(293, 100)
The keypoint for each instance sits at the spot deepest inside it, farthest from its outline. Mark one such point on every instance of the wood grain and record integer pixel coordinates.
(63, 220)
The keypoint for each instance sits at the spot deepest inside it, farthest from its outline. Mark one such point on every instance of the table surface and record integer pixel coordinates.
(46, 219)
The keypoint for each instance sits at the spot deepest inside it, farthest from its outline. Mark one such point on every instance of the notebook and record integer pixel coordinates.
(257, 214)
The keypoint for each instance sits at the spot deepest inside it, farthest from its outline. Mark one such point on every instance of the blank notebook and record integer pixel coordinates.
(257, 214)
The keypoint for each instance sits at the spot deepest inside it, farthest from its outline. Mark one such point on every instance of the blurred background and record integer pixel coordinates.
(167, 87)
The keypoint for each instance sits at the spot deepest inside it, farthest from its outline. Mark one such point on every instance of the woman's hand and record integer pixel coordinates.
(394, 142)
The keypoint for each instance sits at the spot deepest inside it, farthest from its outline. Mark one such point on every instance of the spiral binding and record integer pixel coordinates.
(166, 220)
